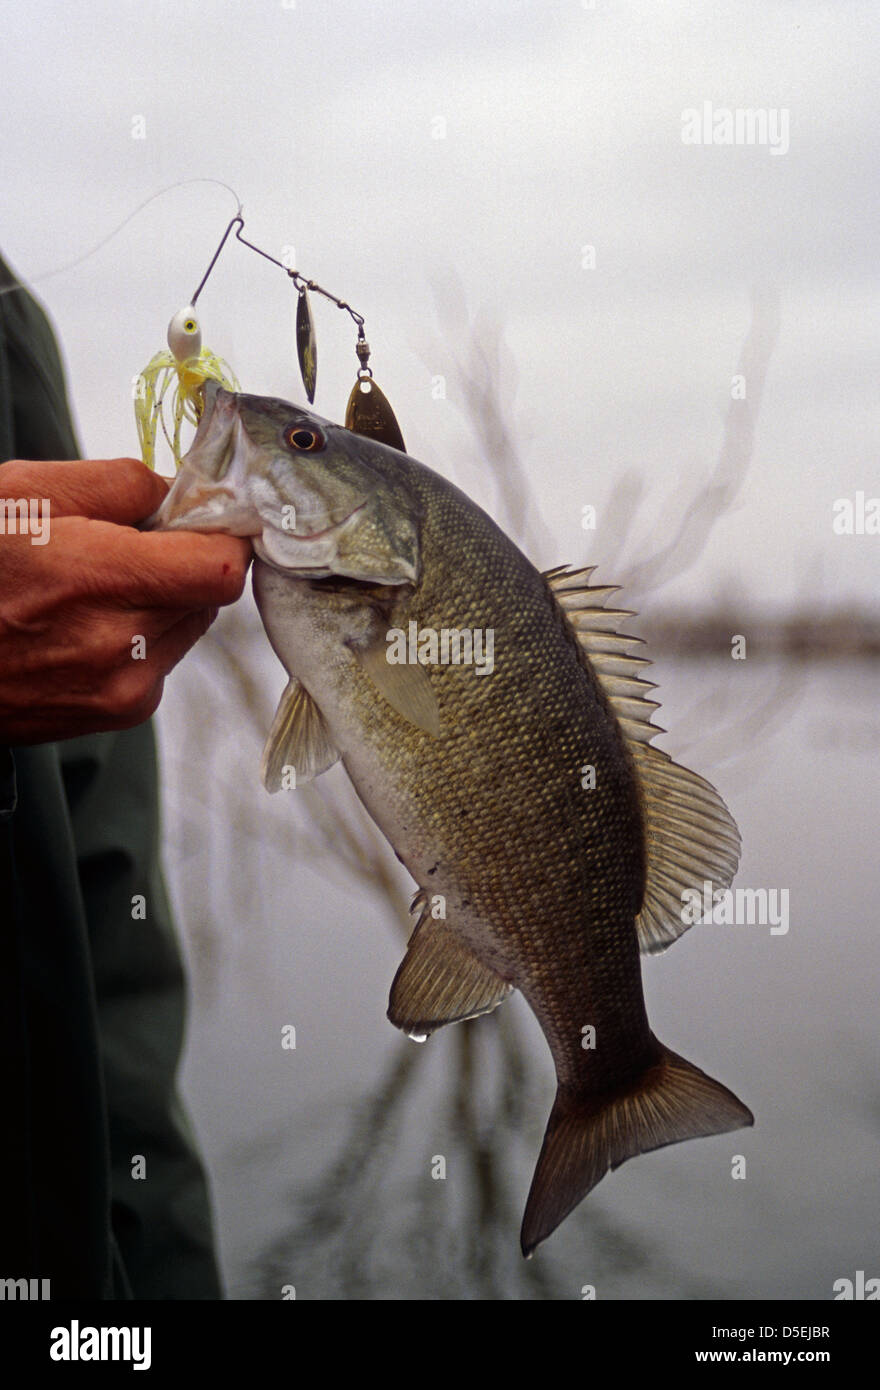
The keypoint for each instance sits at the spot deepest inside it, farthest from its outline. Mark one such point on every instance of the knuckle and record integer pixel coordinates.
(151, 703)
(136, 475)
(109, 648)
(16, 475)
(130, 694)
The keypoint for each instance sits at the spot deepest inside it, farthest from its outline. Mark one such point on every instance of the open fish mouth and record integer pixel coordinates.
(205, 496)
(215, 487)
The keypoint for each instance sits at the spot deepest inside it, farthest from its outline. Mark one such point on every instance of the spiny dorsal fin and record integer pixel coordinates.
(440, 979)
(691, 836)
(298, 738)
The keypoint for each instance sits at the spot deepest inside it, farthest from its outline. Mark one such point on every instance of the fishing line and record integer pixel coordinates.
(71, 265)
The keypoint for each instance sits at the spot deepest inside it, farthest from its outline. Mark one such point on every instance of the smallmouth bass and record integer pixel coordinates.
(522, 794)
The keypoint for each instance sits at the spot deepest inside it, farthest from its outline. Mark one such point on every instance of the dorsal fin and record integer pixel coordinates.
(690, 835)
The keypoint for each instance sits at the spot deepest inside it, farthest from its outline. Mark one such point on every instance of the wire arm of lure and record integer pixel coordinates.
(240, 220)
(368, 411)
(303, 284)
(299, 280)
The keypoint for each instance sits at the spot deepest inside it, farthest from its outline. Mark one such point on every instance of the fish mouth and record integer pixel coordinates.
(211, 491)
(222, 486)
(198, 500)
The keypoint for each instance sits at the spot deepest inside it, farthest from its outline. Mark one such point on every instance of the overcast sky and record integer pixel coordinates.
(471, 152)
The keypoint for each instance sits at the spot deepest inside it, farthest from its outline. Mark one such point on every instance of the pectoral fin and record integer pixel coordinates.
(441, 981)
(407, 688)
(298, 738)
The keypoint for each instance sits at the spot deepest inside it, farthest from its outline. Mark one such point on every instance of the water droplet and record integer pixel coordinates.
(417, 1037)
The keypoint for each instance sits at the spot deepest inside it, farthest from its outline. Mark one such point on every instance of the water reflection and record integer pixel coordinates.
(363, 1230)
(342, 1230)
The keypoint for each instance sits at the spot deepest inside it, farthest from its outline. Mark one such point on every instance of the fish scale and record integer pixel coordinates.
(565, 925)
(475, 776)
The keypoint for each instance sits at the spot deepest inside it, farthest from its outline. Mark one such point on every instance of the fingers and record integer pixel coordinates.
(174, 644)
(93, 613)
(119, 686)
(182, 569)
(135, 690)
(122, 490)
(151, 569)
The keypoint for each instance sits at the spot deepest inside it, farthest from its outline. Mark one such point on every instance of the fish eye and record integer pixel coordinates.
(305, 438)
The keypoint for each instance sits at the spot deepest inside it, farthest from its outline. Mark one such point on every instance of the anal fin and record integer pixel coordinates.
(441, 981)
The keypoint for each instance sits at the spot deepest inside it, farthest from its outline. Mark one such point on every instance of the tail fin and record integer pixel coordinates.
(672, 1100)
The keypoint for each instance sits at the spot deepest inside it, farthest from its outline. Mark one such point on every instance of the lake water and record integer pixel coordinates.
(321, 1157)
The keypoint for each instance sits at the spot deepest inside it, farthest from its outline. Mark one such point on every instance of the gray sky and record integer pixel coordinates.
(562, 129)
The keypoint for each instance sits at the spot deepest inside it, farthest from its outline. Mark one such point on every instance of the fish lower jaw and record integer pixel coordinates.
(334, 529)
(294, 556)
(210, 522)
(290, 555)
(303, 572)
(312, 556)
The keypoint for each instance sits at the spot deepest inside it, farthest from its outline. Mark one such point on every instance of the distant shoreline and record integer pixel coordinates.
(799, 635)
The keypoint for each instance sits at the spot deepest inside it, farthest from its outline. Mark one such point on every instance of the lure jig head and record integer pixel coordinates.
(185, 367)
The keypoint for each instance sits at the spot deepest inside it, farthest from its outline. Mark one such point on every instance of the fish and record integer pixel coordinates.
(550, 843)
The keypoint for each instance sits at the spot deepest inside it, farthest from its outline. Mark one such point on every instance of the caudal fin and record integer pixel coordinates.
(671, 1101)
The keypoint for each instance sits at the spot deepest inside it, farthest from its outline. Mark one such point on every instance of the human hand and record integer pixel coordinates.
(72, 609)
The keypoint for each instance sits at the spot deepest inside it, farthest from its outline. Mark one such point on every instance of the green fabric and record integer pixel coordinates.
(91, 997)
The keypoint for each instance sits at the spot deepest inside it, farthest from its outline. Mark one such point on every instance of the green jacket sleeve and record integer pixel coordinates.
(101, 1188)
